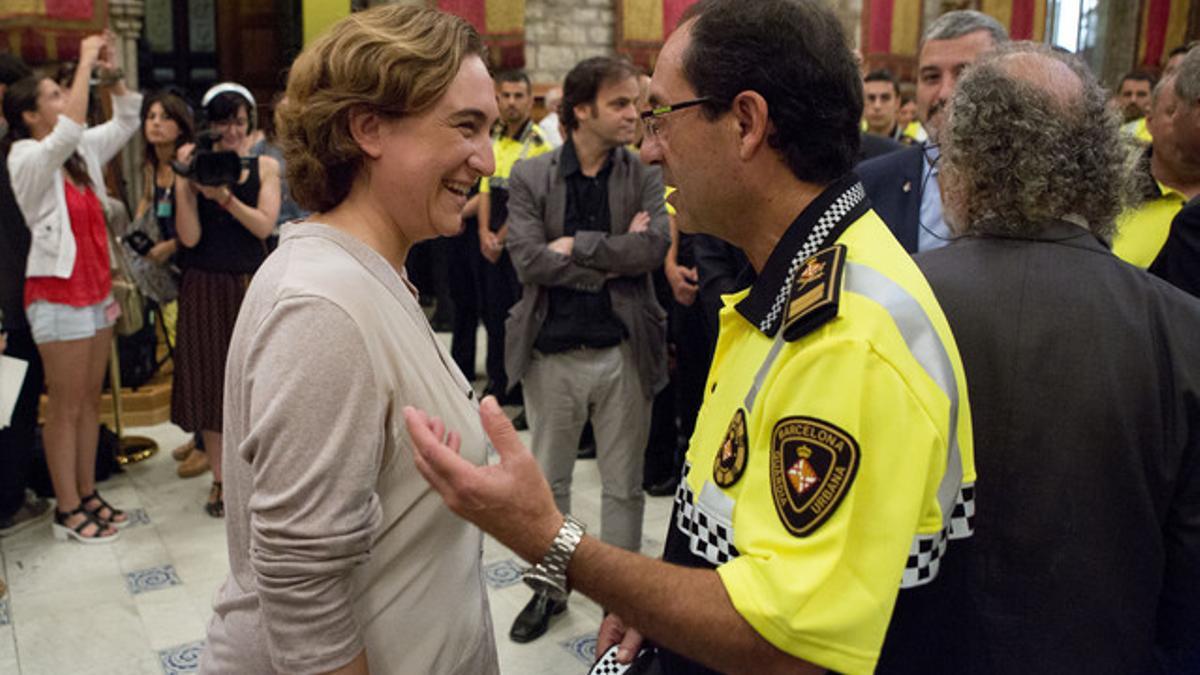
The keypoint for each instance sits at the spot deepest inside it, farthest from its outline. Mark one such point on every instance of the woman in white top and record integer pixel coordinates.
(55, 166)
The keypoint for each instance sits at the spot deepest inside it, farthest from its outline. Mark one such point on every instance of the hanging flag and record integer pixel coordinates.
(501, 23)
(644, 25)
(1024, 19)
(892, 27)
(1164, 27)
(49, 30)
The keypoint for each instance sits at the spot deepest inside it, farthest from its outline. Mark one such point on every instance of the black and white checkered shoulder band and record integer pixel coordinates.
(925, 556)
(833, 215)
(707, 522)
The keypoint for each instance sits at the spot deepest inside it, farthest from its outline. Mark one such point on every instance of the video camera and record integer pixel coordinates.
(209, 167)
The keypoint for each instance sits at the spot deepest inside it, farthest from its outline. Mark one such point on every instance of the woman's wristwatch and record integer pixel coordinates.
(550, 575)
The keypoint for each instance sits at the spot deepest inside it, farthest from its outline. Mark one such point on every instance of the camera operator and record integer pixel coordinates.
(222, 229)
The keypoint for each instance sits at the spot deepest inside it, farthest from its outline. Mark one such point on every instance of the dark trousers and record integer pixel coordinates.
(675, 407)
(693, 356)
(501, 290)
(18, 440)
(465, 261)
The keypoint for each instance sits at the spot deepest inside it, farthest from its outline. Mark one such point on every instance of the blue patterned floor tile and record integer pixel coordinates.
(5, 612)
(181, 658)
(152, 579)
(582, 647)
(138, 517)
(502, 574)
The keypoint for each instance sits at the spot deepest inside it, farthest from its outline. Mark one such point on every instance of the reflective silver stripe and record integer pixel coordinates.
(926, 346)
(498, 183)
(763, 369)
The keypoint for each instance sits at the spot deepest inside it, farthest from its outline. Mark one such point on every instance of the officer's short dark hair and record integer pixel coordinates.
(514, 76)
(584, 81)
(794, 54)
(12, 69)
(884, 75)
(1138, 76)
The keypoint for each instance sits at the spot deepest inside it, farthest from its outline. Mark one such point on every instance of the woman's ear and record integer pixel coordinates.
(366, 128)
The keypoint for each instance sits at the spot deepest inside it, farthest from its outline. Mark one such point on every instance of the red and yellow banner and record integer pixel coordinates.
(892, 27)
(644, 25)
(1164, 27)
(1025, 19)
(43, 31)
(500, 22)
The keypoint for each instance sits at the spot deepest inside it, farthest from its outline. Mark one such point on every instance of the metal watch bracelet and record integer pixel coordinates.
(550, 574)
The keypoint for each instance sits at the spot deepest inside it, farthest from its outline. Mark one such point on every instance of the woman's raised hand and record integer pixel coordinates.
(89, 50)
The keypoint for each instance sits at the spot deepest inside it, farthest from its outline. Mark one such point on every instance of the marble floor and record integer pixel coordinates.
(140, 604)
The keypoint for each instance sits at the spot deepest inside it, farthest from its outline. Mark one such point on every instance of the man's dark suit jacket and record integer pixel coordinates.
(893, 183)
(1084, 379)
(1179, 260)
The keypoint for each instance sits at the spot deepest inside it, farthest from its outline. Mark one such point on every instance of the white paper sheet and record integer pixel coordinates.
(12, 376)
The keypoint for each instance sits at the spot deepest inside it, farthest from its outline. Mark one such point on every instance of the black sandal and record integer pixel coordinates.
(113, 512)
(62, 531)
(215, 506)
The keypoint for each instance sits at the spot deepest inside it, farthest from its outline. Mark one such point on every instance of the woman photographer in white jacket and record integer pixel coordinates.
(55, 164)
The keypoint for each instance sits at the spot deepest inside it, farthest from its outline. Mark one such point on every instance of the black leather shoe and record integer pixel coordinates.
(663, 488)
(534, 620)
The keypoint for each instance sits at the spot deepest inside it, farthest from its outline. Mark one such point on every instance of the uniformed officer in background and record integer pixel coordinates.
(832, 459)
(517, 137)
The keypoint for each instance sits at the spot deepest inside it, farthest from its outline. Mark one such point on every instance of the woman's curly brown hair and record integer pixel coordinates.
(1017, 157)
(392, 60)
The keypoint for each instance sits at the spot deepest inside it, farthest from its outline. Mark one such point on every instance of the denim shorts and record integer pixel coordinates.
(55, 322)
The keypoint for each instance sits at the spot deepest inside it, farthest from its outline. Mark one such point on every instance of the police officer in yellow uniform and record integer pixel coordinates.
(832, 463)
(517, 137)
(1167, 170)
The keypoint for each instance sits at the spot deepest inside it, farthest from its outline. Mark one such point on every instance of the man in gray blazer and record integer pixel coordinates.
(587, 339)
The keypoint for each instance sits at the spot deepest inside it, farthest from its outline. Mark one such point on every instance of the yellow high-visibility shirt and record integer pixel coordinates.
(832, 459)
(1142, 230)
(508, 151)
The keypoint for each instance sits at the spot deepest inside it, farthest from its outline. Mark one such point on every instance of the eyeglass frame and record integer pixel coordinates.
(650, 117)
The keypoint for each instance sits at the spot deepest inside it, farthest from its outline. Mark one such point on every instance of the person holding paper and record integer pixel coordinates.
(18, 509)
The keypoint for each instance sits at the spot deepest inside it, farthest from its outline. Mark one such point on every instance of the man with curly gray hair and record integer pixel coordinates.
(1085, 384)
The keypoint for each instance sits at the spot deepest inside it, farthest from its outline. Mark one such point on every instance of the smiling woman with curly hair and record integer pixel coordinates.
(340, 554)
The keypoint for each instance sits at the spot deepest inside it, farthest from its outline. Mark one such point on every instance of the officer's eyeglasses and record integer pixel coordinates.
(651, 118)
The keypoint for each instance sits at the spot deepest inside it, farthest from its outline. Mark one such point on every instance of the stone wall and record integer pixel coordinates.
(561, 33)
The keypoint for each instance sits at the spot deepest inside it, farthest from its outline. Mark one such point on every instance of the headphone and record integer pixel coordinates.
(232, 88)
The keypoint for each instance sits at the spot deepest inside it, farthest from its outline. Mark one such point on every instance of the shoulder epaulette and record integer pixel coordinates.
(816, 292)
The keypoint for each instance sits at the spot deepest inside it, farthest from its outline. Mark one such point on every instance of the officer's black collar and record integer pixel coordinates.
(818, 226)
(569, 162)
(522, 134)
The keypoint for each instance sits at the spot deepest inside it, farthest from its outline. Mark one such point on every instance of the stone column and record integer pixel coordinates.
(561, 33)
(126, 16)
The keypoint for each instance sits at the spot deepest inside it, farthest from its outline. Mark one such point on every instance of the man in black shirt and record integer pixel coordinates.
(17, 440)
(587, 224)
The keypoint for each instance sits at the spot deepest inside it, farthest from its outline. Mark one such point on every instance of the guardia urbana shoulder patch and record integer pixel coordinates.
(813, 464)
